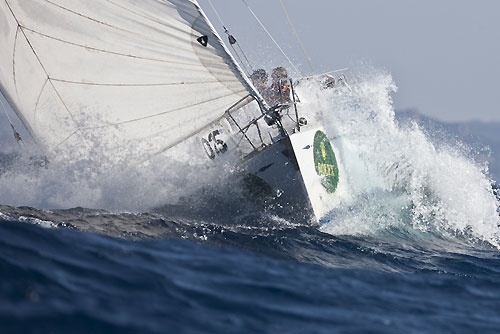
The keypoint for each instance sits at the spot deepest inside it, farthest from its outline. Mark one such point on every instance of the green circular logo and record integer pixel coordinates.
(325, 162)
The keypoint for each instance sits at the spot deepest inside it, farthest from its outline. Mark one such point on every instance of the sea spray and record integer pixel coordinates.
(90, 177)
(94, 183)
(397, 176)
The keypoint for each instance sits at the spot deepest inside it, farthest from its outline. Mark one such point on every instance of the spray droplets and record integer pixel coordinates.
(398, 177)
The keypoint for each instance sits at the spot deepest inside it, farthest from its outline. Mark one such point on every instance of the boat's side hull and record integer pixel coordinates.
(303, 171)
(273, 176)
(295, 177)
(320, 164)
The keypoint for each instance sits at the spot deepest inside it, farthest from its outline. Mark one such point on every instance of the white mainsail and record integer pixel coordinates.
(131, 76)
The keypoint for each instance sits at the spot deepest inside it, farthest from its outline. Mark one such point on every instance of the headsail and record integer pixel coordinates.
(135, 76)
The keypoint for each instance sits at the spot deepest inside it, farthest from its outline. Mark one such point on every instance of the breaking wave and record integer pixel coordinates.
(399, 178)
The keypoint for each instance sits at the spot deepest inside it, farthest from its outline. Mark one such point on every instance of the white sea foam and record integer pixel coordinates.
(67, 183)
(397, 176)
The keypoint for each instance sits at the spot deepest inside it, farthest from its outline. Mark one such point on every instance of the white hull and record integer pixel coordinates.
(289, 168)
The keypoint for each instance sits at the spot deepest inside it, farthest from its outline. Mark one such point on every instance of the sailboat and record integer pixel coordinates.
(135, 78)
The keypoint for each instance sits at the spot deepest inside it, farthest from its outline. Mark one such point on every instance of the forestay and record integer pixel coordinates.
(131, 77)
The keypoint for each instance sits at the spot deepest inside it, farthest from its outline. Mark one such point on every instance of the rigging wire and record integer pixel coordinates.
(17, 136)
(232, 40)
(324, 73)
(244, 55)
(299, 41)
(239, 59)
(271, 37)
(5, 111)
(216, 12)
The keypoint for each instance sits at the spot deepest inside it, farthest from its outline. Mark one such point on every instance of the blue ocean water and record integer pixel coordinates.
(262, 276)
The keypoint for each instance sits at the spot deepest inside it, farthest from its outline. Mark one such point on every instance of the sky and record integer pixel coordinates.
(444, 55)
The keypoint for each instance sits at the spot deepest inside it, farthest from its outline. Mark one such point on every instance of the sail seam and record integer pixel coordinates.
(139, 84)
(39, 97)
(110, 25)
(151, 19)
(66, 139)
(142, 118)
(162, 113)
(14, 61)
(180, 9)
(116, 53)
(39, 61)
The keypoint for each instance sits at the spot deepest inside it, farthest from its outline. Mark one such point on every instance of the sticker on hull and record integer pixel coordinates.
(325, 162)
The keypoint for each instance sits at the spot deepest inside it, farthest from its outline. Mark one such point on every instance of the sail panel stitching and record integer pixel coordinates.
(140, 84)
(151, 19)
(6, 113)
(14, 60)
(141, 118)
(66, 139)
(39, 97)
(38, 58)
(110, 25)
(162, 113)
(116, 53)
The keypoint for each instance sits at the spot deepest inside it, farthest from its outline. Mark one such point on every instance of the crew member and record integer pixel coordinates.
(259, 80)
(280, 88)
(329, 82)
